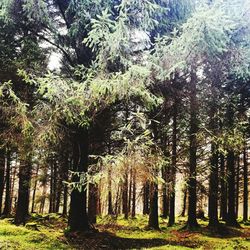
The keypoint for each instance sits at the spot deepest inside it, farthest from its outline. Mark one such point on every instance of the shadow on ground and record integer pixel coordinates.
(106, 240)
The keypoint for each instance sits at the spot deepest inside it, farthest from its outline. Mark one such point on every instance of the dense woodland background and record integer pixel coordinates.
(145, 110)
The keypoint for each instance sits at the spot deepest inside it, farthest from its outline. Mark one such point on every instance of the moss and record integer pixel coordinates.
(131, 232)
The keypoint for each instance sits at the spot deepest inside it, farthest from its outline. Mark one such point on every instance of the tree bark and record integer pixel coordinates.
(125, 196)
(237, 193)
(153, 214)
(34, 190)
(223, 198)
(171, 220)
(192, 183)
(78, 218)
(245, 190)
(92, 203)
(184, 204)
(146, 198)
(134, 194)
(213, 188)
(2, 171)
(22, 209)
(7, 208)
(110, 206)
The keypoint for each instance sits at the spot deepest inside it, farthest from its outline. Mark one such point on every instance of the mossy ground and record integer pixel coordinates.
(47, 232)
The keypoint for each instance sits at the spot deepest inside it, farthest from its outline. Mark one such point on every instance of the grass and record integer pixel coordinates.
(47, 232)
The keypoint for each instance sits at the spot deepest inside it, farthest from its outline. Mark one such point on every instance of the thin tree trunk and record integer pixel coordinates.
(165, 197)
(7, 208)
(130, 191)
(171, 220)
(125, 197)
(213, 189)
(153, 214)
(134, 195)
(110, 206)
(51, 198)
(223, 200)
(13, 180)
(231, 215)
(146, 198)
(2, 171)
(192, 183)
(214, 165)
(66, 164)
(245, 191)
(34, 190)
(237, 193)
(184, 203)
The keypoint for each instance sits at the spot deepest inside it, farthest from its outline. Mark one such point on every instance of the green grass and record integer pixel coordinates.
(50, 235)
(21, 238)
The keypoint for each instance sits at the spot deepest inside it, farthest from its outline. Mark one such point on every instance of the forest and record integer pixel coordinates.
(124, 124)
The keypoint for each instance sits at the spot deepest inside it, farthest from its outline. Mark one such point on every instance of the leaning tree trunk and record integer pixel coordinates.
(245, 190)
(171, 220)
(22, 209)
(7, 203)
(192, 182)
(78, 218)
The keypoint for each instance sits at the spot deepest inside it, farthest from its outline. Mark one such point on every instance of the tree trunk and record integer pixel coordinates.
(192, 183)
(34, 190)
(22, 209)
(245, 190)
(171, 220)
(134, 195)
(92, 203)
(66, 164)
(78, 218)
(2, 170)
(153, 214)
(146, 198)
(214, 165)
(223, 200)
(125, 197)
(237, 193)
(130, 191)
(165, 196)
(110, 206)
(13, 180)
(184, 204)
(7, 208)
(213, 188)
(231, 215)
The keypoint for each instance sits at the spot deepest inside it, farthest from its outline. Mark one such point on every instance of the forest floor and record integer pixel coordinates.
(48, 232)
